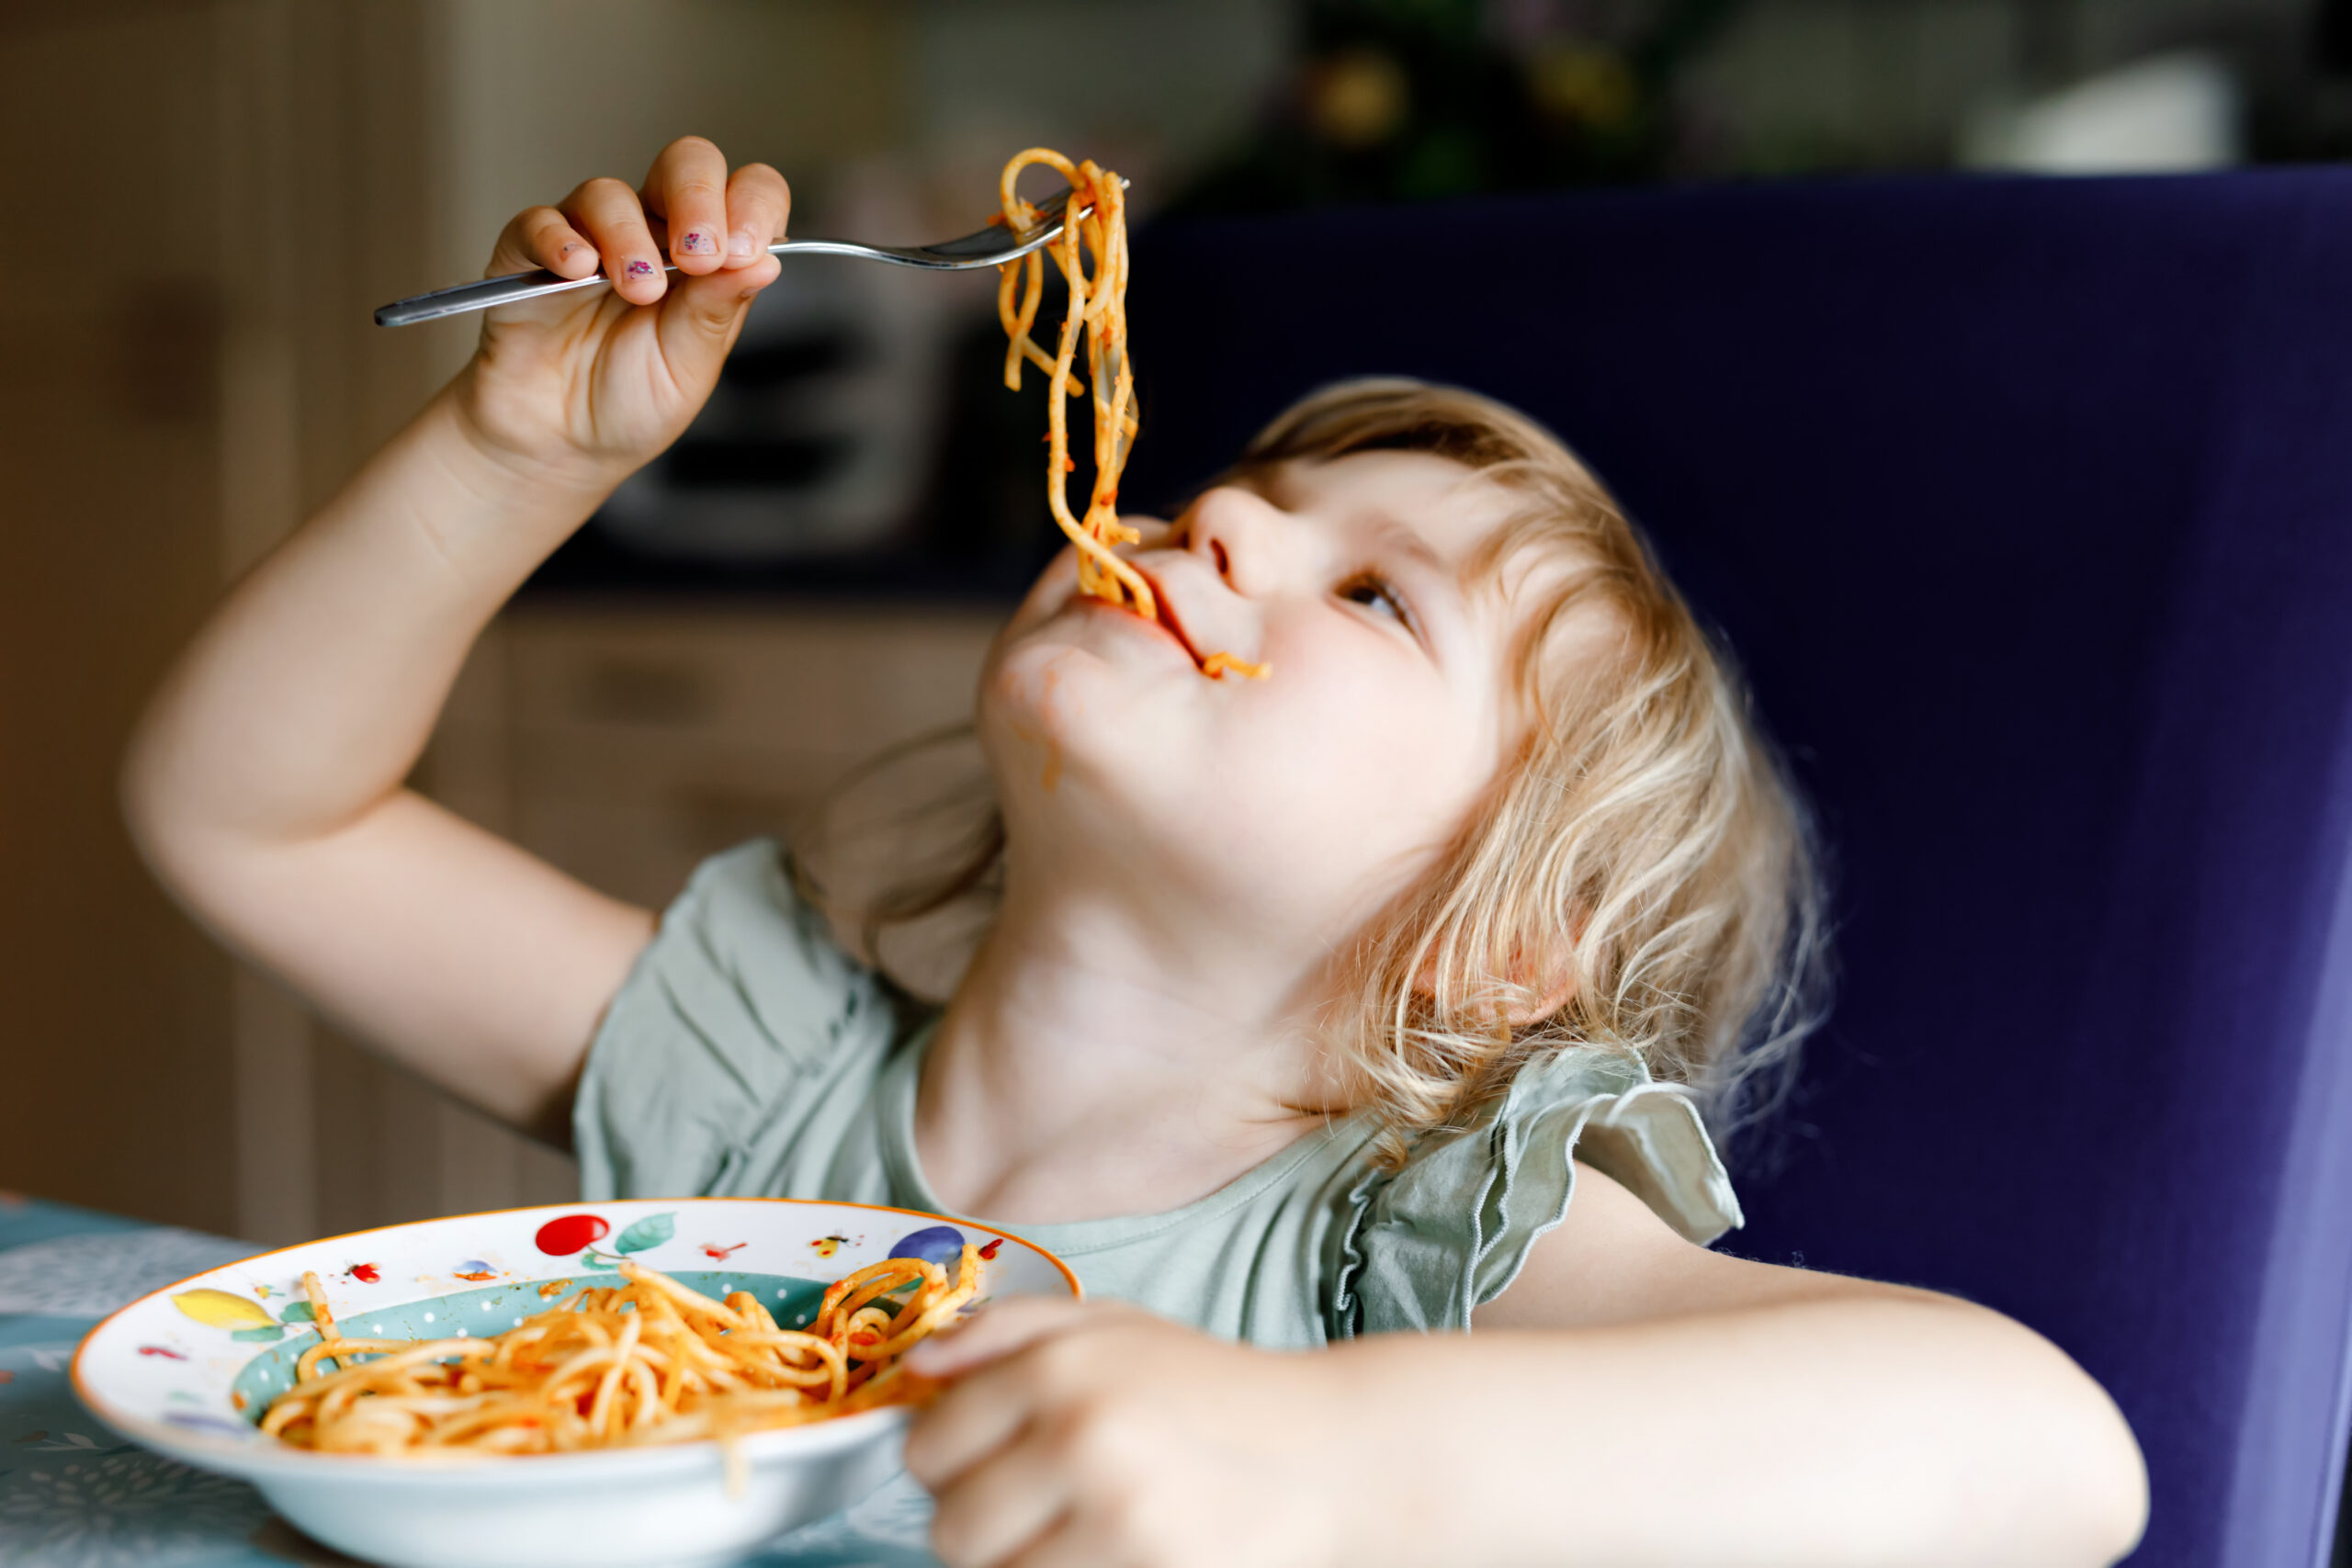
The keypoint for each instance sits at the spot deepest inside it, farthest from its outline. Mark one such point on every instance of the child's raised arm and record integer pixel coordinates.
(263, 783)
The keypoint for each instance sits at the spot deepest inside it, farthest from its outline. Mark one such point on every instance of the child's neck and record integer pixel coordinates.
(1101, 1058)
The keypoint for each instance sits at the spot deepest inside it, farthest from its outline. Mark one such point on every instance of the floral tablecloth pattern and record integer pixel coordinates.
(75, 1495)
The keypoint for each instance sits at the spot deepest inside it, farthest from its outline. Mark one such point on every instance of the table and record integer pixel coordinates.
(75, 1495)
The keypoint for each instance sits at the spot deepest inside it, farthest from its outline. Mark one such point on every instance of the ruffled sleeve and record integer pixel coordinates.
(741, 1002)
(1421, 1248)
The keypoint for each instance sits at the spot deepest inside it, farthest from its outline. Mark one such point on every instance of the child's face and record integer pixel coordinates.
(1295, 807)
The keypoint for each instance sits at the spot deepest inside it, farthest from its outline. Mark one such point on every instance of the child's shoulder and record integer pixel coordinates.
(743, 1003)
(741, 949)
(740, 916)
(1425, 1245)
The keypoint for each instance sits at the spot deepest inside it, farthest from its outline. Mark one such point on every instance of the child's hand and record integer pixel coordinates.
(1098, 1435)
(596, 382)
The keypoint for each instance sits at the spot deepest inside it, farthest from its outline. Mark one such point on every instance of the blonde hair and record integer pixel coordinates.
(1645, 827)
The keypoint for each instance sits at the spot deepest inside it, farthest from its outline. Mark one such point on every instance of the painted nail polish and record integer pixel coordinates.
(640, 269)
(694, 242)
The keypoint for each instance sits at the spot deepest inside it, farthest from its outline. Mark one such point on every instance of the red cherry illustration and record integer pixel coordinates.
(570, 1233)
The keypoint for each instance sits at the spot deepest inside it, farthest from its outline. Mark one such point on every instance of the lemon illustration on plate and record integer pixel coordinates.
(242, 1316)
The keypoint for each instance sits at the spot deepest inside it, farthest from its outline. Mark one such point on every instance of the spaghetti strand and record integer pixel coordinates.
(651, 1361)
(1091, 256)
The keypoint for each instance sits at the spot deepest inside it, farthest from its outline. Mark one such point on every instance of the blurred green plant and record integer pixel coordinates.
(1402, 100)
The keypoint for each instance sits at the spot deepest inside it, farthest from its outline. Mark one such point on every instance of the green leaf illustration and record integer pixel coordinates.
(650, 1231)
(259, 1336)
(297, 1311)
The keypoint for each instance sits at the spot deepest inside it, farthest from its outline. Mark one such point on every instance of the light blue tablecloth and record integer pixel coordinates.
(75, 1495)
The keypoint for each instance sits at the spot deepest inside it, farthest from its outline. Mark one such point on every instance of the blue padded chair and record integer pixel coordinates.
(2028, 507)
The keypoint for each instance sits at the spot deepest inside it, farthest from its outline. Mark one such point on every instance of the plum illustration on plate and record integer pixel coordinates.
(943, 1245)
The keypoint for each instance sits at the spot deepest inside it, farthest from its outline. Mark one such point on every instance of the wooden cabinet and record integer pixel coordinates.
(182, 374)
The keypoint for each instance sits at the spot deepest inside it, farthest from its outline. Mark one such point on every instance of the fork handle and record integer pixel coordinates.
(974, 251)
(506, 289)
(482, 294)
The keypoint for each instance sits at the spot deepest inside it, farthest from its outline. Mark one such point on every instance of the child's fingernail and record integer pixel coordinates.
(694, 242)
(640, 269)
(742, 244)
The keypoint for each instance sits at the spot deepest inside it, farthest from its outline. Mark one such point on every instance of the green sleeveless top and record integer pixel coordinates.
(748, 1056)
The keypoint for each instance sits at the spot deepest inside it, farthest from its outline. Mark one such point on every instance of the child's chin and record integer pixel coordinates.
(1052, 714)
(1075, 663)
(1035, 694)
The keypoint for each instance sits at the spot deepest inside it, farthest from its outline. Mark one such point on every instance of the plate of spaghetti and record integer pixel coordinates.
(622, 1382)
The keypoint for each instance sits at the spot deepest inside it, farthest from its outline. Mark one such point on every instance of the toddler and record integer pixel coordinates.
(1399, 990)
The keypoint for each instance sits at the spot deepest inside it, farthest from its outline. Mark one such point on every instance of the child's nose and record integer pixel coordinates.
(1233, 527)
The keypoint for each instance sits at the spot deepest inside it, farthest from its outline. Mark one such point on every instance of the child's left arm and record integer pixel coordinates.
(1630, 1399)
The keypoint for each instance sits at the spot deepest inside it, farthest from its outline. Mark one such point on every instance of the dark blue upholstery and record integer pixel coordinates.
(2029, 508)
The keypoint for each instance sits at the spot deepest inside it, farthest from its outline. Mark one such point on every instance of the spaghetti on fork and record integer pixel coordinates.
(1095, 232)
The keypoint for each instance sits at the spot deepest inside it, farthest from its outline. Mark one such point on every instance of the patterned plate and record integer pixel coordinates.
(188, 1371)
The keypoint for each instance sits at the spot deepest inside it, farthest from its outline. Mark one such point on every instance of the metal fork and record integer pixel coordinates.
(991, 246)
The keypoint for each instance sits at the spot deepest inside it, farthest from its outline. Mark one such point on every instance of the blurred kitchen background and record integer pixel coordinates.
(208, 197)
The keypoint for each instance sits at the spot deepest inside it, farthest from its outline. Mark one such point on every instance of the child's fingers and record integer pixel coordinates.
(1014, 1496)
(686, 188)
(1005, 1327)
(538, 236)
(1071, 1542)
(969, 1421)
(607, 212)
(759, 203)
(702, 316)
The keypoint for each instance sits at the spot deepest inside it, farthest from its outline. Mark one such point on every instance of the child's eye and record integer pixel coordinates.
(1376, 594)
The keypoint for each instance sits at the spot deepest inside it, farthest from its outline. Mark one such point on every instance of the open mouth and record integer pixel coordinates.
(1166, 617)
(1215, 666)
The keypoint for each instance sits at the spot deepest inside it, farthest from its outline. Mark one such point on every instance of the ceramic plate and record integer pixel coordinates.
(188, 1369)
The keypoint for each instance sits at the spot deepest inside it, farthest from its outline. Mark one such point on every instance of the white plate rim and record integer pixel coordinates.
(284, 1462)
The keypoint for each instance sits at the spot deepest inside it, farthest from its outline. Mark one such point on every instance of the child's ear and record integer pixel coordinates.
(1551, 989)
(1548, 981)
